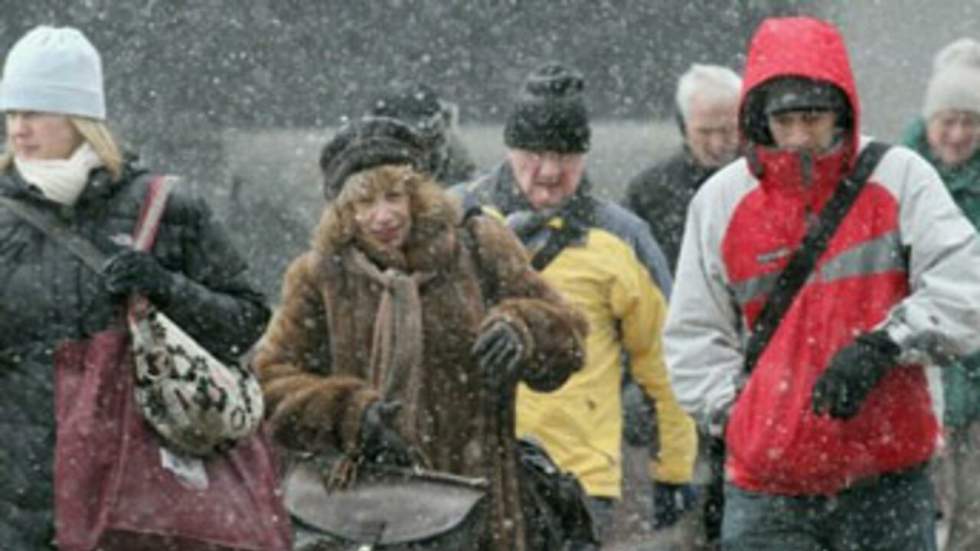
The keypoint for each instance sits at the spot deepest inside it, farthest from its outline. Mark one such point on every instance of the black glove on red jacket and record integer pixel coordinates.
(853, 372)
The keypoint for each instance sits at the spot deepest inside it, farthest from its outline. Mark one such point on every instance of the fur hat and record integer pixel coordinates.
(955, 82)
(53, 70)
(415, 104)
(550, 113)
(368, 143)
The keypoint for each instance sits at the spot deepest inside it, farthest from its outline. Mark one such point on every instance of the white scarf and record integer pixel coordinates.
(61, 180)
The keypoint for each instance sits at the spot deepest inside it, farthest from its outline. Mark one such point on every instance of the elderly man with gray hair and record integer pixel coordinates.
(707, 113)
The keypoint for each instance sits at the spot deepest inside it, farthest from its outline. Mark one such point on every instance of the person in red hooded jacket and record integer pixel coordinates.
(829, 435)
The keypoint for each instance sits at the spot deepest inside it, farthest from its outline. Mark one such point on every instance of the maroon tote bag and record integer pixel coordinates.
(112, 490)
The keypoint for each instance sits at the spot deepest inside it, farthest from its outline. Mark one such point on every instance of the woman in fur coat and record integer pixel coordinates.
(405, 329)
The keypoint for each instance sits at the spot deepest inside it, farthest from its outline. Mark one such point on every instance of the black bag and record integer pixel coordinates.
(398, 509)
(386, 508)
(789, 282)
(553, 502)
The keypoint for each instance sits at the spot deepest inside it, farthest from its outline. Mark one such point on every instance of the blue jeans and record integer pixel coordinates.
(897, 512)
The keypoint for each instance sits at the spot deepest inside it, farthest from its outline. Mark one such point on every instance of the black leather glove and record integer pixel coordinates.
(132, 271)
(639, 414)
(380, 443)
(499, 350)
(670, 502)
(852, 373)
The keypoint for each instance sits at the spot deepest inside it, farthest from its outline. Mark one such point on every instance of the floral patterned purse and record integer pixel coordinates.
(196, 402)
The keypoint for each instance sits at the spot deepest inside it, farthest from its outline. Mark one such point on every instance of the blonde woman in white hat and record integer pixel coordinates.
(61, 158)
(948, 135)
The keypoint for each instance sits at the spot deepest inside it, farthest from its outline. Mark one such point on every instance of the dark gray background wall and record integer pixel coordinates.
(892, 45)
(181, 73)
(179, 70)
(240, 95)
(285, 63)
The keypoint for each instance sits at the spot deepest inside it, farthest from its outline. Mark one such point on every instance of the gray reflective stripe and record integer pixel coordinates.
(871, 257)
(756, 286)
(883, 254)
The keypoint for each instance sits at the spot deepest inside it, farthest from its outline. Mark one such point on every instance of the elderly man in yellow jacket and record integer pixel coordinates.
(603, 259)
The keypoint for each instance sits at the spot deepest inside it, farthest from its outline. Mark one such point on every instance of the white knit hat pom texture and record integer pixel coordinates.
(955, 82)
(53, 70)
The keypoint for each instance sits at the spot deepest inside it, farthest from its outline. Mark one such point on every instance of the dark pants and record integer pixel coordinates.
(601, 510)
(897, 512)
(713, 505)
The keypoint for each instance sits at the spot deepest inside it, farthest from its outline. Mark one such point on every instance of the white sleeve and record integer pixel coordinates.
(940, 319)
(703, 334)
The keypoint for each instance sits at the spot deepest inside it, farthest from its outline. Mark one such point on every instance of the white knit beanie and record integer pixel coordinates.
(53, 70)
(955, 82)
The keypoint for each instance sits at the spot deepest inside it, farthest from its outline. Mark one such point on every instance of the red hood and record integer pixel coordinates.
(802, 47)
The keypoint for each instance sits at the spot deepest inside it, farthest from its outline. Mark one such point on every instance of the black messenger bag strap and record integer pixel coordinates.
(814, 244)
(560, 238)
(58, 231)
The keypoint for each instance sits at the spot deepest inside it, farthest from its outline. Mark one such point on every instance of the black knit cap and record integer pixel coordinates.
(802, 94)
(550, 113)
(416, 104)
(367, 143)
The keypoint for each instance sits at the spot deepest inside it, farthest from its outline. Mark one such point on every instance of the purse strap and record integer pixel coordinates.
(487, 279)
(155, 202)
(145, 232)
(804, 259)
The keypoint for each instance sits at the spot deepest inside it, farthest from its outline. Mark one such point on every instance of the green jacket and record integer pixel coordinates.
(961, 382)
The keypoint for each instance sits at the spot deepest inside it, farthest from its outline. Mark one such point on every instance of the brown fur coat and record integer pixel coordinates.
(314, 359)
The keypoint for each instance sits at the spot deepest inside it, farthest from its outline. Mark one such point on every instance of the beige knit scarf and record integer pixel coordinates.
(397, 348)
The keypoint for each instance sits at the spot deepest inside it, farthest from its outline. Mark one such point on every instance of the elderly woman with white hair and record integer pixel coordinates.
(62, 161)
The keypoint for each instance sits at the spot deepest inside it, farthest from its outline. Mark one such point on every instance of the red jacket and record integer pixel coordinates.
(902, 232)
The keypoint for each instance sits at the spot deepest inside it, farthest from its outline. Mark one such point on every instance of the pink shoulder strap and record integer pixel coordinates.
(154, 204)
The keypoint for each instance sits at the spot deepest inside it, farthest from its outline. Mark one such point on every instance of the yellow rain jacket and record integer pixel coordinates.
(610, 271)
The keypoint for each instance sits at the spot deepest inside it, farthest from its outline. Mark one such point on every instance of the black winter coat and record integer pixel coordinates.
(660, 195)
(47, 295)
